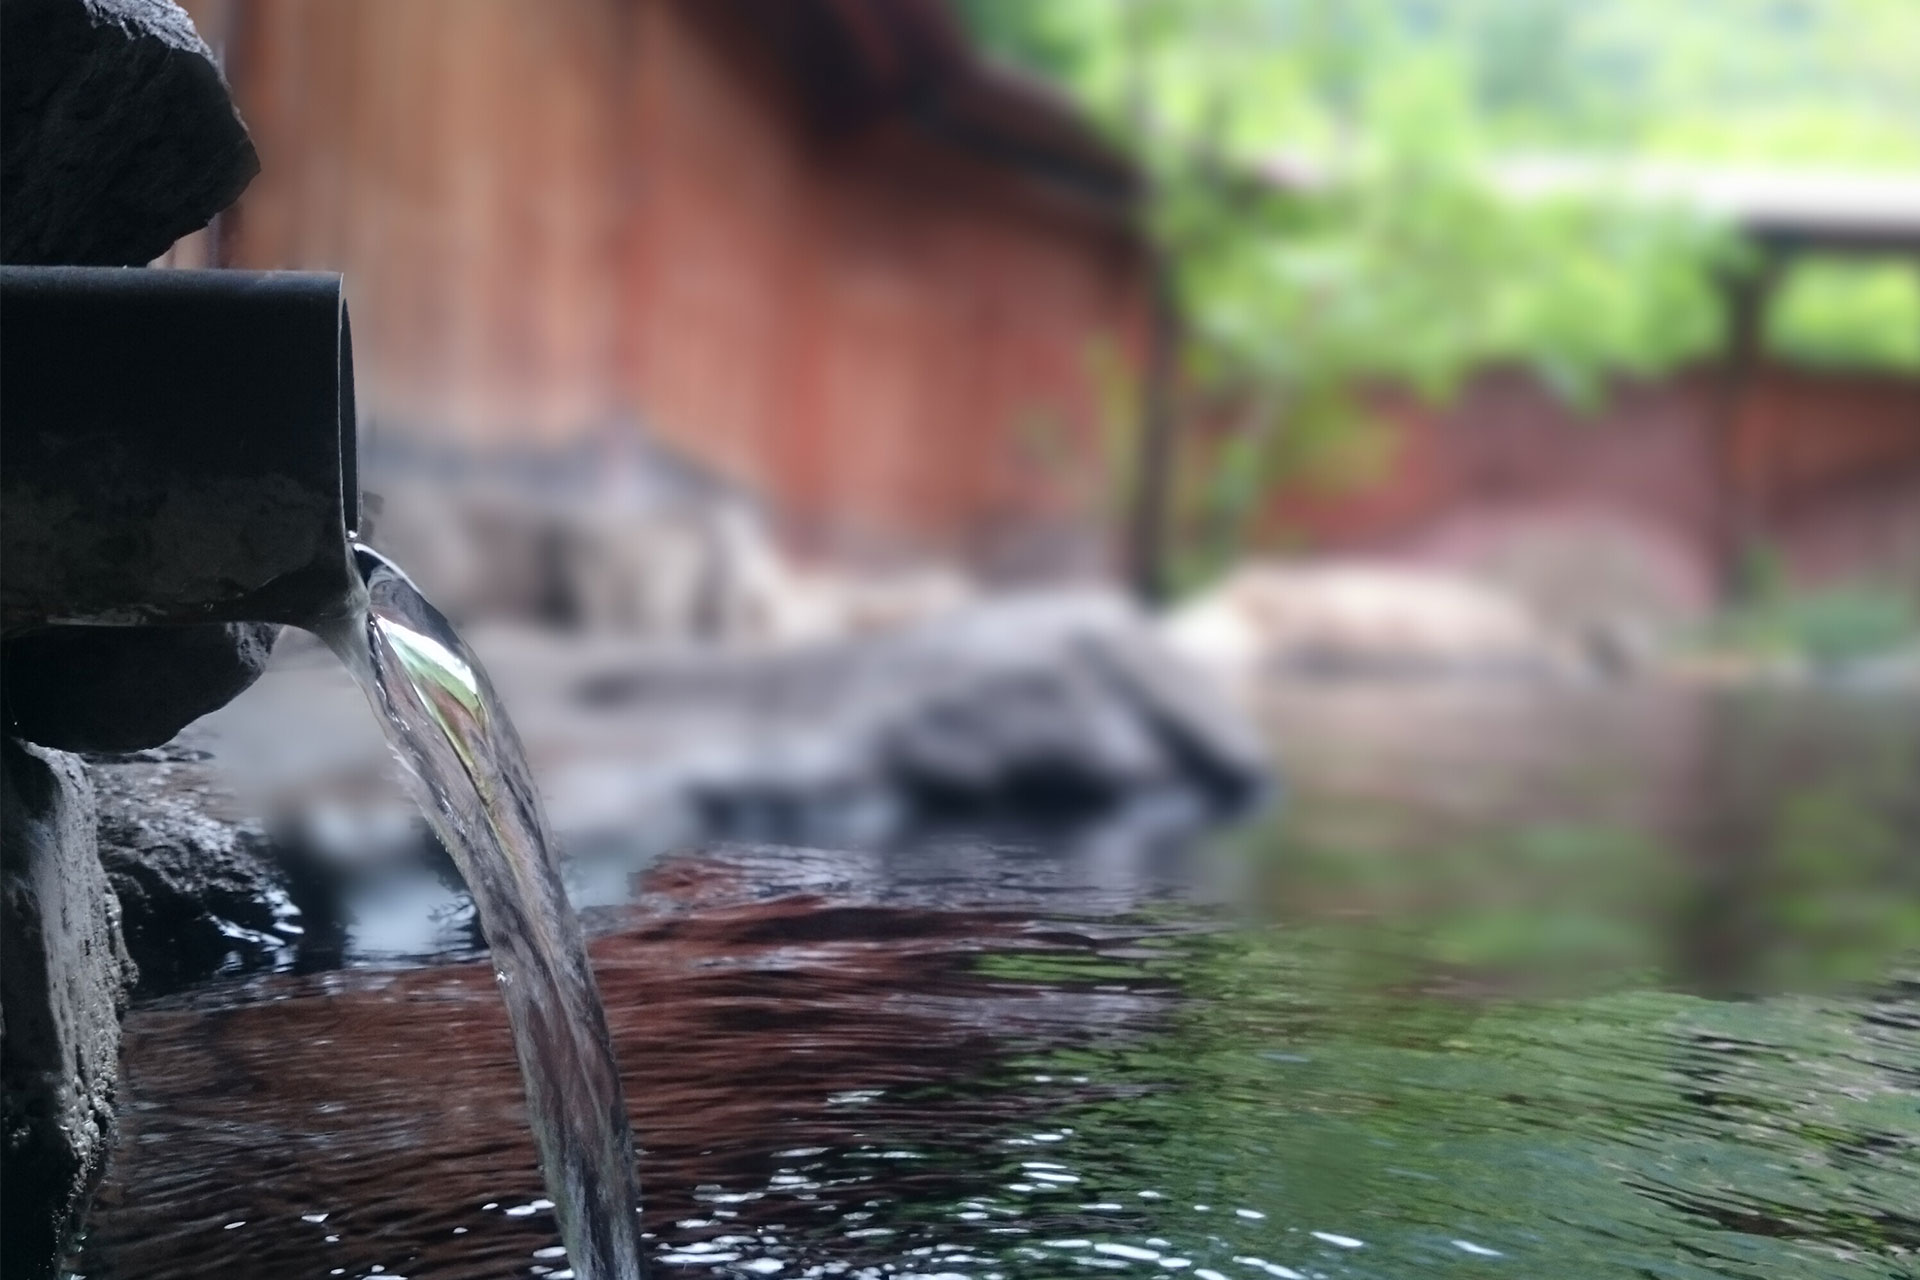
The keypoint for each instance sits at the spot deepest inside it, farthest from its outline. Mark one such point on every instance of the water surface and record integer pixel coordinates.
(1619, 987)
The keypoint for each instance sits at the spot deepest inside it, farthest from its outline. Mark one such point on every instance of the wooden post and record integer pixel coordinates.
(1739, 460)
(1154, 460)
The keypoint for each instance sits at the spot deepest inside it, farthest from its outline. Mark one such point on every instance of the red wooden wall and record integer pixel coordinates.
(559, 216)
(1825, 464)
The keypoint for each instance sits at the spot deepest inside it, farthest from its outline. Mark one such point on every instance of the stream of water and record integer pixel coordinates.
(469, 774)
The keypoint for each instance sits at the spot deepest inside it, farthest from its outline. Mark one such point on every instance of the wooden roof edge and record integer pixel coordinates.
(915, 58)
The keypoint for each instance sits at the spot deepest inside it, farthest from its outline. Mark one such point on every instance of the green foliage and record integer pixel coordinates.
(1835, 624)
(1823, 625)
(1777, 82)
(1395, 261)
(1849, 313)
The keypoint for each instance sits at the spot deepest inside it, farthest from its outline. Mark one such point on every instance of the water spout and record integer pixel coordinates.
(179, 446)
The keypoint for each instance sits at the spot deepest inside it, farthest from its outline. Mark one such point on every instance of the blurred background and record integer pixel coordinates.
(917, 469)
(840, 419)
(664, 308)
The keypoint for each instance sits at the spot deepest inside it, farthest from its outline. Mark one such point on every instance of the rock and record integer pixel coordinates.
(63, 985)
(1369, 620)
(1624, 584)
(1059, 699)
(1050, 738)
(117, 135)
(197, 894)
(1208, 742)
(124, 688)
(1017, 707)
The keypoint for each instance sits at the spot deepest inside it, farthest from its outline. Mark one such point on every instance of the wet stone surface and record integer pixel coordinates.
(62, 989)
(197, 894)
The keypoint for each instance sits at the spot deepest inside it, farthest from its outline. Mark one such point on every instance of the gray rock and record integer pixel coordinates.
(124, 688)
(1209, 743)
(1046, 704)
(1042, 730)
(63, 985)
(1059, 699)
(197, 894)
(117, 136)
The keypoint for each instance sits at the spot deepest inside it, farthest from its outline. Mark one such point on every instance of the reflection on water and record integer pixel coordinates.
(1615, 990)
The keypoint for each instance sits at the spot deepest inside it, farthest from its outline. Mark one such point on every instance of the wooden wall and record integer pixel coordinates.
(559, 216)
(564, 217)
(1825, 467)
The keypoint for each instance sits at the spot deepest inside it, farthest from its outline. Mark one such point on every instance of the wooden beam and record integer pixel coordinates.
(1155, 456)
(1740, 461)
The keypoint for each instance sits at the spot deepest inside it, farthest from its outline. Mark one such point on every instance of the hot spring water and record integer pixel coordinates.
(1576, 982)
(470, 776)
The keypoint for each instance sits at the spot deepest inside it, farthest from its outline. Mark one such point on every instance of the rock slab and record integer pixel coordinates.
(64, 977)
(124, 688)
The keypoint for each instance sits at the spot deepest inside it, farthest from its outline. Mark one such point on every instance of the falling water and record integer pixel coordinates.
(470, 776)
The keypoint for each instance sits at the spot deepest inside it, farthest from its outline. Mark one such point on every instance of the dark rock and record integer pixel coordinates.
(1043, 737)
(63, 985)
(197, 894)
(125, 688)
(1203, 740)
(117, 135)
(1023, 707)
(1056, 702)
